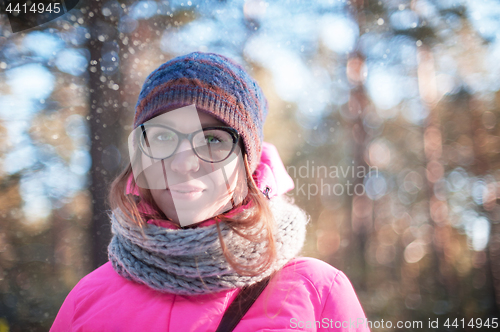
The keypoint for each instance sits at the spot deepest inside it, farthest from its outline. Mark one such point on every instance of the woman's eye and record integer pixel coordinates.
(161, 135)
(165, 137)
(212, 139)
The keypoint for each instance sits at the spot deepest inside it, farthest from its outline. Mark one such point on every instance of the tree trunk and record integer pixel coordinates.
(105, 130)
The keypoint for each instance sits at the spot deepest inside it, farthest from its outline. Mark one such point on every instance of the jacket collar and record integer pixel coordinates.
(271, 172)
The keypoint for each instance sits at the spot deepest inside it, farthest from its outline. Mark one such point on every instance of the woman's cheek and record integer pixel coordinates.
(152, 176)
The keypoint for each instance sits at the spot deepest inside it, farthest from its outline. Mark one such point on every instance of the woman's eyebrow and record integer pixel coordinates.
(204, 125)
(164, 122)
(173, 124)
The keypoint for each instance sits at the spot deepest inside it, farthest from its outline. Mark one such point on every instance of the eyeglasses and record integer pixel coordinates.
(211, 144)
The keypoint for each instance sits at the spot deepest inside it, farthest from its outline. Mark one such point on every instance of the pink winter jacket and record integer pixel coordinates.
(306, 295)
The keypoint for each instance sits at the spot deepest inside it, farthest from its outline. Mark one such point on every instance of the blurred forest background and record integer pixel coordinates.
(408, 91)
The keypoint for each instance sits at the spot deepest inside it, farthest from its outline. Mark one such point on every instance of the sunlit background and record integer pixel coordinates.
(404, 93)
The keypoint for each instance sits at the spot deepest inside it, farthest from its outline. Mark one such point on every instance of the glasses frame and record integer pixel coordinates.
(144, 140)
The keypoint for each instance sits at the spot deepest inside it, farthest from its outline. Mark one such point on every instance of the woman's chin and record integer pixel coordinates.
(187, 218)
(192, 208)
(196, 214)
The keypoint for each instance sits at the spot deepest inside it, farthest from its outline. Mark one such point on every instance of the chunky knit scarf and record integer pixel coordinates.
(190, 261)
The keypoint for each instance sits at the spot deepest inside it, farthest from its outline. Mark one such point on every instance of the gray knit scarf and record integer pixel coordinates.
(190, 261)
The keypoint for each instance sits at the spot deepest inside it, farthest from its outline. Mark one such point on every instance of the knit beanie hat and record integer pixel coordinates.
(217, 86)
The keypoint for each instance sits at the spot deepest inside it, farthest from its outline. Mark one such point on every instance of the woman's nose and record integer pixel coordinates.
(185, 160)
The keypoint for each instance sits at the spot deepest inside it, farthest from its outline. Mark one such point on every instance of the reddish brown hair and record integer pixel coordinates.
(258, 218)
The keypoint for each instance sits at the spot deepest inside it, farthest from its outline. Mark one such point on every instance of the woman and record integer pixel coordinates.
(200, 220)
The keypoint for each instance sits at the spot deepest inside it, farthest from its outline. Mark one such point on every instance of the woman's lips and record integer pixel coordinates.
(186, 192)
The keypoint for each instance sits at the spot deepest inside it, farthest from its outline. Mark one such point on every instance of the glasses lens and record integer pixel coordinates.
(213, 144)
(158, 142)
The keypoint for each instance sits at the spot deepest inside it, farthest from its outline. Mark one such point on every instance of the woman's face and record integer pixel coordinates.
(193, 190)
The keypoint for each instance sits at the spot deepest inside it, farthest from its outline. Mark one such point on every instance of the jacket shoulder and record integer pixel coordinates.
(103, 280)
(306, 291)
(339, 301)
(100, 277)
(332, 287)
(91, 284)
(317, 272)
